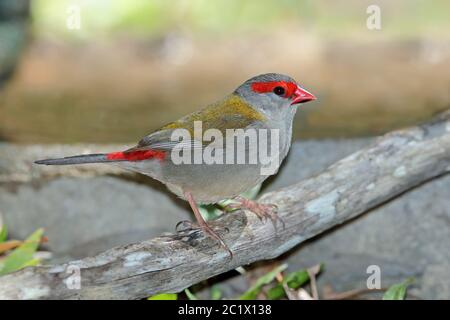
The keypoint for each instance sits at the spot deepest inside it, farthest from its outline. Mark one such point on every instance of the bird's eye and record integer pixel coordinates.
(279, 91)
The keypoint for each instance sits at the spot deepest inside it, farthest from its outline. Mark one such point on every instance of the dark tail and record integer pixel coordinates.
(88, 158)
(129, 155)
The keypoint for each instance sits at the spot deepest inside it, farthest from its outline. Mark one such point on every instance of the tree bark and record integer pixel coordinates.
(393, 164)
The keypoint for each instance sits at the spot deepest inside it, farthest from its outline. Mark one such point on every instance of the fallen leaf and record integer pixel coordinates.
(312, 272)
(303, 295)
(9, 245)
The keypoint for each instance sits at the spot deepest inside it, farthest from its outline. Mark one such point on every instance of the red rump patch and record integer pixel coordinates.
(136, 155)
(264, 87)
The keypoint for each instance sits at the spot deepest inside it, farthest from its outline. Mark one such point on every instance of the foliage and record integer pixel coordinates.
(398, 291)
(290, 286)
(216, 293)
(164, 296)
(190, 295)
(3, 233)
(293, 280)
(157, 17)
(254, 290)
(23, 255)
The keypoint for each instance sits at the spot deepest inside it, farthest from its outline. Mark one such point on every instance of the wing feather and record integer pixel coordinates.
(231, 113)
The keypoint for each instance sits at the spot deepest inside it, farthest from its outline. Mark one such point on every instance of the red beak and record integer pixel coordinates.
(301, 96)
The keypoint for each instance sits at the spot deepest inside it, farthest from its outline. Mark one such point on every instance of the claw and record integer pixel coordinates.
(187, 225)
(263, 211)
(202, 225)
(207, 230)
(210, 232)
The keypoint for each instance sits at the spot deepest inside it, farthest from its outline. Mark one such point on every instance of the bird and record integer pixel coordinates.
(264, 103)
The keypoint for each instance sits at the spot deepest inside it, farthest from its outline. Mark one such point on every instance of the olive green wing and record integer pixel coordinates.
(231, 113)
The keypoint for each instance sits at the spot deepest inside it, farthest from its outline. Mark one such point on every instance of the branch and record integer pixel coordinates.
(395, 163)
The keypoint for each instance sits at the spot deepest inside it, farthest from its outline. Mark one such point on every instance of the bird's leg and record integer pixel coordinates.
(203, 225)
(261, 210)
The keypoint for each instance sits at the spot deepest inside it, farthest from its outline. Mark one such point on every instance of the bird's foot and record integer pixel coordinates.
(186, 225)
(261, 210)
(207, 230)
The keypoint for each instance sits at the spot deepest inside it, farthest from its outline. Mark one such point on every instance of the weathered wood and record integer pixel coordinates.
(394, 163)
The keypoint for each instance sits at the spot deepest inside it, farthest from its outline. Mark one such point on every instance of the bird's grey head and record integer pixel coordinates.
(276, 95)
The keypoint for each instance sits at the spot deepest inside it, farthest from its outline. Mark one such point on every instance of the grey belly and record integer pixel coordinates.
(208, 183)
(211, 183)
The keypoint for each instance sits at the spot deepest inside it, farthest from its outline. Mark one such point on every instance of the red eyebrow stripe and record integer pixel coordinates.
(136, 155)
(264, 87)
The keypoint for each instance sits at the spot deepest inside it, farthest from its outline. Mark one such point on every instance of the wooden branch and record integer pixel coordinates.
(395, 163)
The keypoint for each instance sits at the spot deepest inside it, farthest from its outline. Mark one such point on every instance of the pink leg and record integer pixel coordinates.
(203, 225)
(262, 211)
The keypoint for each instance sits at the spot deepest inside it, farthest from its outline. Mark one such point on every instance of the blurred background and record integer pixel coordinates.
(113, 71)
(79, 75)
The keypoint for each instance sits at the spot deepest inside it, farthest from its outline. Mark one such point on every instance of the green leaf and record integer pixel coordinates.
(216, 293)
(3, 233)
(22, 256)
(398, 291)
(209, 211)
(164, 296)
(294, 280)
(31, 263)
(253, 292)
(190, 295)
(252, 193)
